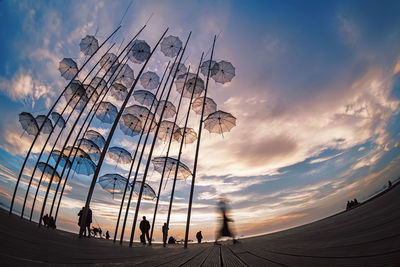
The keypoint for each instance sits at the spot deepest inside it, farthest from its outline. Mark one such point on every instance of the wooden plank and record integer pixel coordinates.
(214, 258)
(252, 260)
(198, 260)
(185, 256)
(229, 258)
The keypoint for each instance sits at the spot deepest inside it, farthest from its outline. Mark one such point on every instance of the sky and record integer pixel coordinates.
(316, 97)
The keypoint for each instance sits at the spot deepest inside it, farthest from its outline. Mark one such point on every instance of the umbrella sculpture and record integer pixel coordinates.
(47, 127)
(180, 80)
(224, 72)
(96, 81)
(170, 167)
(83, 164)
(181, 69)
(64, 159)
(96, 137)
(170, 109)
(48, 171)
(106, 112)
(139, 52)
(125, 76)
(141, 113)
(170, 46)
(144, 97)
(192, 84)
(165, 131)
(91, 93)
(118, 91)
(57, 118)
(213, 68)
(149, 80)
(219, 122)
(209, 107)
(76, 92)
(68, 68)
(113, 183)
(89, 45)
(109, 60)
(28, 123)
(130, 125)
(148, 191)
(90, 148)
(119, 154)
(190, 135)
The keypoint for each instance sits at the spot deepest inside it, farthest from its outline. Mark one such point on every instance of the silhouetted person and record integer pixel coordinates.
(171, 240)
(199, 237)
(45, 219)
(355, 202)
(165, 233)
(51, 223)
(100, 232)
(107, 235)
(390, 184)
(86, 223)
(144, 227)
(224, 231)
(348, 206)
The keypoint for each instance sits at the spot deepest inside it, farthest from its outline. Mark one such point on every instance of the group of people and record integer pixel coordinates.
(49, 222)
(351, 204)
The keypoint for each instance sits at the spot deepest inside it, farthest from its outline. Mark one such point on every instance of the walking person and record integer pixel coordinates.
(199, 237)
(144, 228)
(87, 222)
(224, 231)
(165, 233)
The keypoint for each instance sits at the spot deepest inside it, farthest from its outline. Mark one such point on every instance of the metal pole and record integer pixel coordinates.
(151, 150)
(197, 149)
(181, 145)
(47, 116)
(110, 135)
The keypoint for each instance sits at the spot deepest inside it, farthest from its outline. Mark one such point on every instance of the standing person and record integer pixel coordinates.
(87, 222)
(107, 235)
(224, 231)
(144, 228)
(165, 233)
(199, 237)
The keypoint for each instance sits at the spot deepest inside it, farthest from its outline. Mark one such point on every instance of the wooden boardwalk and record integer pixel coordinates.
(368, 235)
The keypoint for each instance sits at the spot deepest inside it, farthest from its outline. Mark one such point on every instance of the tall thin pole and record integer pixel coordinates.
(181, 145)
(151, 150)
(197, 149)
(134, 157)
(47, 116)
(166, 157)
(97, 106)
(141, 154)
(55, 142)
(110, 135)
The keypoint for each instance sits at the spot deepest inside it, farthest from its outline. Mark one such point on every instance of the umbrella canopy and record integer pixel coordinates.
(99, 83)
(181, 69)
(75, 93)
(96, 137)
(89, 45)
(141, 113)
(113, 183)
(90, 148)
(148, 192)
(118, 91)
(170, 46)
(180, 80)
(47, 127)
(139, 52)
(166, 129)
(206, 64)
(64, 159)
(106, 112)
(190, 135)
(125, 76)
(170, 167)
(170, 109)
(91, 93)
(58, 119)
(149, 80)
(47, 171)
(209, 107)
(108, 61)
(68, 68)
(224, 72)
(83, 164)
(144, 97)
(192, 84)
(219, 122)
(130, 125)
(28, 123)
(119, 154)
